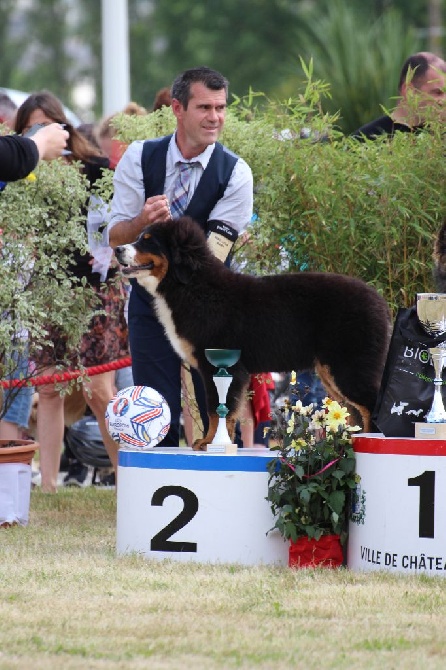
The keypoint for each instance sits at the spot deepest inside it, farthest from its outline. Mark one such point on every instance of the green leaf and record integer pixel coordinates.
(336, 501)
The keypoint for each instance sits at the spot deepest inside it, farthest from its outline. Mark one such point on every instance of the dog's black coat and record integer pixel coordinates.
(338, 324)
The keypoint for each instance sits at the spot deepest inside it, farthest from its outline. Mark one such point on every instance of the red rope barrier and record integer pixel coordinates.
(67, 376)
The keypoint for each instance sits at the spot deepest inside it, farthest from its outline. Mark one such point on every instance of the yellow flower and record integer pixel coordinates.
(336, 416)
(31, 177)
(299, 444)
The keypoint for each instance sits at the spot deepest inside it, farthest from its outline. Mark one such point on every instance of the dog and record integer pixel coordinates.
(336, 324)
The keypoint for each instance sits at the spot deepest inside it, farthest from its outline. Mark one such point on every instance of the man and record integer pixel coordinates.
(422, 93)
(20, 155)
(218, 195)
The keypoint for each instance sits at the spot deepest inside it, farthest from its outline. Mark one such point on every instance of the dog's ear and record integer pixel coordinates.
(181, 271)
(187, 247)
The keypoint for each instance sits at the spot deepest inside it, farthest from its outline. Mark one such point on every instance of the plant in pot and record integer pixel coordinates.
(311, 479)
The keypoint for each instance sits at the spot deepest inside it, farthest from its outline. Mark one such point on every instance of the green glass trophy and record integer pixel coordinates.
(222, 359)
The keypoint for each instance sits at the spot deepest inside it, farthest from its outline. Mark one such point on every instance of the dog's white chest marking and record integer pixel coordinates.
(182, 347)
(150, 283)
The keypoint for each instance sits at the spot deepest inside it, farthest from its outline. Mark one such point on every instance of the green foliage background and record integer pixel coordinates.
(369, 210)
(357, 46)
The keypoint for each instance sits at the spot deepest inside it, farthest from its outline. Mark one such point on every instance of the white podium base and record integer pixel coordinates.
(397, 520)
(15, 493)
(194, 506)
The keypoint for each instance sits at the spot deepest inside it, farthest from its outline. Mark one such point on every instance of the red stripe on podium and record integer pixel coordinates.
(406, 446)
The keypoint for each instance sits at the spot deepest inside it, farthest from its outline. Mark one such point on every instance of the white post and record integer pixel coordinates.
(115, 56)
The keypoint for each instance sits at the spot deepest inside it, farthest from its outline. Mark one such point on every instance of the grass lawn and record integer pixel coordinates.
(67, 601)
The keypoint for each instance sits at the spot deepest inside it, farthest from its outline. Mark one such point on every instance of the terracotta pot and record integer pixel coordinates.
(17, 451)
(310, 553)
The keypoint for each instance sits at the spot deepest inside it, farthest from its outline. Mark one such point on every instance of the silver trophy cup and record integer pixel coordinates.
(431, 311)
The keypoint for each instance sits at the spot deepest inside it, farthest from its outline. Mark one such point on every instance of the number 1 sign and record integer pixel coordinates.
(192, 506)
(398, 514)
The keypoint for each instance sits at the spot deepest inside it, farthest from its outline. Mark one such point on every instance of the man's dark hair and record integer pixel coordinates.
(203, 75)
(416, 67)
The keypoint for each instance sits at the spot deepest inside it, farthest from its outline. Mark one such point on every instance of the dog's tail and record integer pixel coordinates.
(439, 256)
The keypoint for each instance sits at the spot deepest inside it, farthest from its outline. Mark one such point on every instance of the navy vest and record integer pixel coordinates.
(211, 186)
(210, 189)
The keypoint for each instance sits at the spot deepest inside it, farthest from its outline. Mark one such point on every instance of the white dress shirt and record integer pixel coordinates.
(234, 208)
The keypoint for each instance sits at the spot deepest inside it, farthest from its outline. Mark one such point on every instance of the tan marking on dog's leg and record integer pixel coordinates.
(231, 420)
(333, 391)
(328, 382)
(201, 444)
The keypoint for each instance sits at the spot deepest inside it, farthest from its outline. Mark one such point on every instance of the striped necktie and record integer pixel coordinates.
(181, 189)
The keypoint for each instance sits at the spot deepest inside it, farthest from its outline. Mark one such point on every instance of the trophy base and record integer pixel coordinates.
(430, 431)
(222, 449)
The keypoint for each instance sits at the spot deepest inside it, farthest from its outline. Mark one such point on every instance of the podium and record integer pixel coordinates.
(398, 514)
(185, 505)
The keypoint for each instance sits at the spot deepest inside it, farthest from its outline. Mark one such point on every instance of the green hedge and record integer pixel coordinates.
(369, 210)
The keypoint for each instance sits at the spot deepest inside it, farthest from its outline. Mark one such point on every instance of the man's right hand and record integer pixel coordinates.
(155, 209)
(51, 141)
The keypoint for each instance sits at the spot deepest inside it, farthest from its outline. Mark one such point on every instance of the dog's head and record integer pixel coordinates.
(175, 248)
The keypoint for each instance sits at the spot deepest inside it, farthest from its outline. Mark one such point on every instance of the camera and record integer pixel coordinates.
(33, 130)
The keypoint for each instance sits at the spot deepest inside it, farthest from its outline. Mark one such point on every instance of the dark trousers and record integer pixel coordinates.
(156, 364)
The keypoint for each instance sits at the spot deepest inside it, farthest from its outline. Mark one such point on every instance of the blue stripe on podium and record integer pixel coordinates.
(194, 461)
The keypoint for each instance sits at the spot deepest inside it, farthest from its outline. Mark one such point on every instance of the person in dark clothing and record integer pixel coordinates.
(20, 155)
(423, 75)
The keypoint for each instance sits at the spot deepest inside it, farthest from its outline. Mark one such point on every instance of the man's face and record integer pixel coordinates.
(431, 91)
(201, 123)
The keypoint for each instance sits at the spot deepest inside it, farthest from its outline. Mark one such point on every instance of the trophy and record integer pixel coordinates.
(431, 312)
(222, 359)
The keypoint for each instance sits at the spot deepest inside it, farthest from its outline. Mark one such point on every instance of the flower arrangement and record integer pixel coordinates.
(314, 471)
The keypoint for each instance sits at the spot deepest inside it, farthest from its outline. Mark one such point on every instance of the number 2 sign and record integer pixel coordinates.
(192, 506)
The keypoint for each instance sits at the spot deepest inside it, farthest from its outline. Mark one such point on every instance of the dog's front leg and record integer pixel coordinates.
(212, 403)
(236, 393)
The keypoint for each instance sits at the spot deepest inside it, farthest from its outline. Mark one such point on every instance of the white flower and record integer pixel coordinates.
(317, 420)
(298, 407)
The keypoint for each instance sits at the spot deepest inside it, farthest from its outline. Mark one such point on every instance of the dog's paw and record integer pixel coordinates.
(200, 445)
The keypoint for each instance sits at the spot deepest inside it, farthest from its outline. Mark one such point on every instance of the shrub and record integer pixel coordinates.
(42, 223)
(329, 203)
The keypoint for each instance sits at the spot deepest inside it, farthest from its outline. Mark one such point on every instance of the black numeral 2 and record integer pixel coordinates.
(160, 541)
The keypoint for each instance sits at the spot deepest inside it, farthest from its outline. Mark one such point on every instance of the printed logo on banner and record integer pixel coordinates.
(357, 509)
